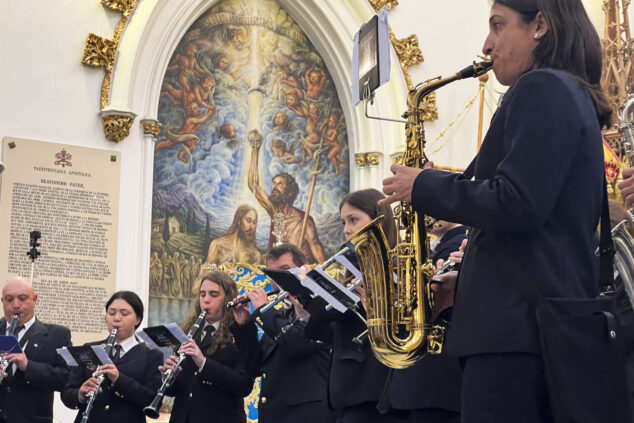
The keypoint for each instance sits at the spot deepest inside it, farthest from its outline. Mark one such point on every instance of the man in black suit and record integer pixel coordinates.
(26, 392)
(294, 369)
(449, 236)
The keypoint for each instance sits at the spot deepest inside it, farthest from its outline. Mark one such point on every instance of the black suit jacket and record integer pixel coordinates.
(217, 392)
(27, 396)
(356, 376)
(138, 382)
(294, 372)
(449, 243)
(538, 185)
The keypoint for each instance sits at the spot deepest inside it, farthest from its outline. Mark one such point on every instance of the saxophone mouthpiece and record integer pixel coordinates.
(476, 69)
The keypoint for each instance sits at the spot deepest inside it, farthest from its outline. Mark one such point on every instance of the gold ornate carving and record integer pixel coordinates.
(99, 51)
(116, 127)
(378, 4)
(360, 159)
(407, 50)
(373, 159)
(151, 127)
(122, 6)
(397, 158)
(367, 159)
(409, 54)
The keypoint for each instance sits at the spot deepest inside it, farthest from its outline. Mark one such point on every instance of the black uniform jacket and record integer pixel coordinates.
(294, 371)
(449, 243)
(356, 376)
(138, 382)
(217, 392)
(538, 188)
(27, 396)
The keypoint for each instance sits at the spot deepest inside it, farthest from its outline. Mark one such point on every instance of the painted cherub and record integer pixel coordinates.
(315, 82)
(279, 150)
(187, 65)
(201, 93)
(185, 135)
(310, 141)
(332, 140)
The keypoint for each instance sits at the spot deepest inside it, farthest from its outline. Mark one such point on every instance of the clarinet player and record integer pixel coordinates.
(221, 359)
(130, 382)
(26, 392)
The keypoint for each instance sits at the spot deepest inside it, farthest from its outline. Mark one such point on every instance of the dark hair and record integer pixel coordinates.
(571, 44)
(291, 185)
(223, 335)
(130, 298)
(366, 200)
(299, 259)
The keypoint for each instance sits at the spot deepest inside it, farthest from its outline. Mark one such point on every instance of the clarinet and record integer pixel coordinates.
(10, 331)
(93, 394)
(170, 375)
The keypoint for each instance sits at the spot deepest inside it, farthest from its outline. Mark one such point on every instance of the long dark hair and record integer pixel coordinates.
(366, 200)
(571, 44)
(222, 337)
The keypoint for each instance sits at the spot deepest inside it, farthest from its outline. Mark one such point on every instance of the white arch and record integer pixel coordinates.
(147, 43)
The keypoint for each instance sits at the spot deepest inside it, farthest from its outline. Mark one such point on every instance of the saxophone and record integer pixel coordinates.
(397, 281)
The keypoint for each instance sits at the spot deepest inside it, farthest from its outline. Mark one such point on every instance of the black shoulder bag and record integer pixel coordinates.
(582, 347)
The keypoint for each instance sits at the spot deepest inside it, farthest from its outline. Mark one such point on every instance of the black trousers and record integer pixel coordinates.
(508, 387)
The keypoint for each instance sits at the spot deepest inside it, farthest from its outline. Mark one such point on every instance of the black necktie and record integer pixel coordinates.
(17, 330)
(116, 353)
(206, 339)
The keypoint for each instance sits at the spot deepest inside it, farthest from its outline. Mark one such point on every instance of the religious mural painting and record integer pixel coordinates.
(253, 150)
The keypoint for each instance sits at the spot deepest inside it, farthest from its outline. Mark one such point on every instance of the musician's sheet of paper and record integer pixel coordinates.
(71, 195)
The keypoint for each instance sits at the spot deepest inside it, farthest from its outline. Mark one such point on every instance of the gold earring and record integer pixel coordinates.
(537, 35)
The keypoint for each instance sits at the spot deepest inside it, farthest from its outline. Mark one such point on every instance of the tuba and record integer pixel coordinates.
(397, 281)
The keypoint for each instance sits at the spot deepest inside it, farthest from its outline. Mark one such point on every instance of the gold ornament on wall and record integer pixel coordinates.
(101, 52)
(116, 127)
(371, 159)
(151, 127)
(379, 4)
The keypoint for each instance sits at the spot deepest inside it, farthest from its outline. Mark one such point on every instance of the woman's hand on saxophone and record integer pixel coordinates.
(399, 187)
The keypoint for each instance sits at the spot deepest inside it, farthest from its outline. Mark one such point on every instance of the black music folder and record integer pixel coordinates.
(316, 281)
(89, 356)
(170, 336)
(288, 282)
